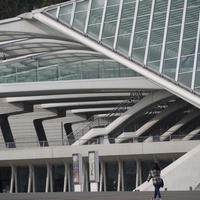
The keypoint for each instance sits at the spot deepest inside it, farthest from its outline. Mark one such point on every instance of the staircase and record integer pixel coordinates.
(99, 122)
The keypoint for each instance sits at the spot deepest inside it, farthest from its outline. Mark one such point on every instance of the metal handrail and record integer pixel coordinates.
(65, 142)
(94, 121)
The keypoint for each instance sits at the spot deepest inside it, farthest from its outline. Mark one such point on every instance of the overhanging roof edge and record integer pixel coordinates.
(4, 21)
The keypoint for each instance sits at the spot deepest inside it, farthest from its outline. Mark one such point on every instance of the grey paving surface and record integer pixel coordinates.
(166, 195)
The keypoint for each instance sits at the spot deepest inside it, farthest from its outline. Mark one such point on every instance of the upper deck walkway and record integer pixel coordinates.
(107, 152)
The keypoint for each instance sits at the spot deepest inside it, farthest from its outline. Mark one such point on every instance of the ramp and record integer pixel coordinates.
(182, 174)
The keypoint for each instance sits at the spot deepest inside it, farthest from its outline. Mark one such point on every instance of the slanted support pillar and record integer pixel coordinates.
(13, 179)
(120, 175)
(102, 176)
(66, 177)
(49, 179)
(31, 179)
(138, 173)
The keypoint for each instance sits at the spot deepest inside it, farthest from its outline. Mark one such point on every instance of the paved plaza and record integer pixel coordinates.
(166, 195)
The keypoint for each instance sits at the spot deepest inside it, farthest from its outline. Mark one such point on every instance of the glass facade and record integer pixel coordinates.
(145, 167)
(111, 176)
(22, 174)
(5, 176)
(161, 35)
(128, 182)
(56, 70)
(58, 177)
(130, 170)
(40, 178)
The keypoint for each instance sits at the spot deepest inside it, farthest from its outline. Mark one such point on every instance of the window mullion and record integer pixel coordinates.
(133, 29)
(181, 42)
(149, 32)
(195, 56)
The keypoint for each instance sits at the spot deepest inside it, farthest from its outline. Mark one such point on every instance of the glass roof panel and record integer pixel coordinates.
(52, 12)
(177, 4)
(111, 2)
(140, 39)
(81, 6)
(185, 78)
(144, 7)
(192, 14)
(159, 20)
(98, 4)
(173, 33)
(188, 47)
(125, 26)
(142, 23)
(128, 10)
(171, 50)
(157, 36)
(112, 13)
(175, 17)
(80, 15)
(67, 9)
(190, 30)
(193, 3)
(160, 6)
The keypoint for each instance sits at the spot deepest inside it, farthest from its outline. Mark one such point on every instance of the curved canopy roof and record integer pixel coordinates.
(36, 52)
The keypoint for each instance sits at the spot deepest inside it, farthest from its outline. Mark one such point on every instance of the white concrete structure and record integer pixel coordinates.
(117, 77)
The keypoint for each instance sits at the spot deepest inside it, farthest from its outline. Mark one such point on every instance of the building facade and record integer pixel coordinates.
(118, 77)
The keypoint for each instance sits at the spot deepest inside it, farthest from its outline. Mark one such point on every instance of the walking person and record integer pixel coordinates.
(154, 174)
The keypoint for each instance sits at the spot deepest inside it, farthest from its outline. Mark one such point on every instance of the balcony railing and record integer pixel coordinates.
(96, 141)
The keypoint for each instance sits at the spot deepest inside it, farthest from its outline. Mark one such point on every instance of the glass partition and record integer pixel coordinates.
(40, 178)
(130, 170)
(111, 176)
(5, 177)
(22, 178)
(58, 177)
(43, 71)
(146, 166)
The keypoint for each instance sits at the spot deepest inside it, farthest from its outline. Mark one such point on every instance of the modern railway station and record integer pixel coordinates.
(93, 92)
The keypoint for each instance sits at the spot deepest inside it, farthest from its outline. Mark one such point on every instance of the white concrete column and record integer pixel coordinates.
(86, 178)
(69, 179)
(119, 174)
(47, 177)
(122, 175)
(30, 178)
(138, 173)
(65, 176)
(13, 179)
(101, 176)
